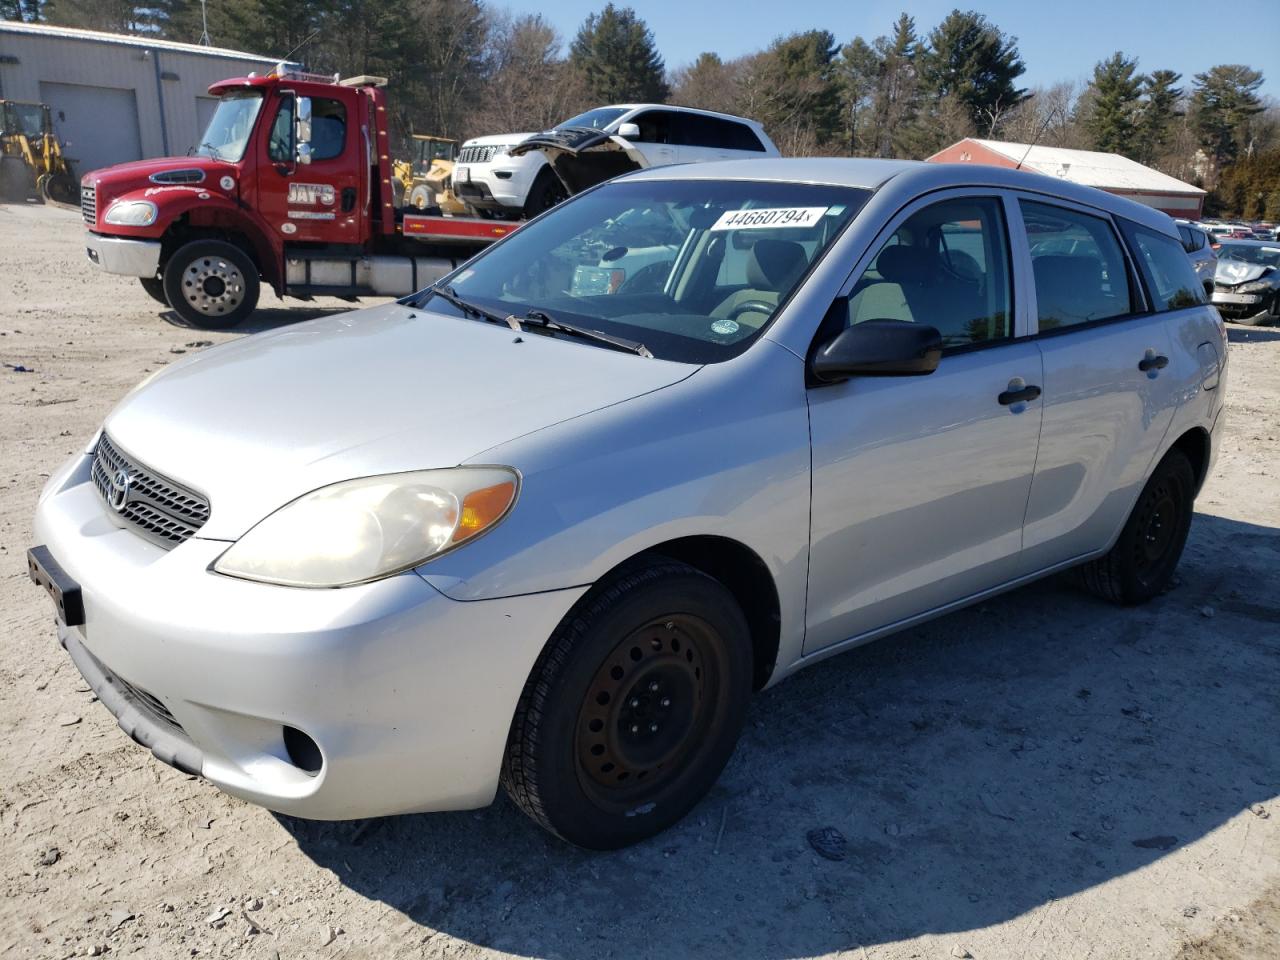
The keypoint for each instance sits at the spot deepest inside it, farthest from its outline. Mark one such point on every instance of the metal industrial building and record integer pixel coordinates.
(115, 97)
(1106, 171)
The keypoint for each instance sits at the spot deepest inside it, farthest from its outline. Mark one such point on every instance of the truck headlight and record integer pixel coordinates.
(131, 213)
(362, 530)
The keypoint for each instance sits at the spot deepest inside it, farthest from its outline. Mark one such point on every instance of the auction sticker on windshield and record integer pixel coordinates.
(769, 218)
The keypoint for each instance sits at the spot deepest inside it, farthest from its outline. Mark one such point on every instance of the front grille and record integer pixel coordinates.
(89, 203)
(147, 702)
(161, 510)
(476, 154)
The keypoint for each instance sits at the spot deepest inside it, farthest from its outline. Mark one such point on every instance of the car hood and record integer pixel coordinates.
(1232, 272)
(257, 422)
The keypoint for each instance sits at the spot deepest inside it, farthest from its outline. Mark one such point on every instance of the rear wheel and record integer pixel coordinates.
(155, 289)
(211, 283)
(1141, 564)
(546, 192)
(421, 197)
(633, 708)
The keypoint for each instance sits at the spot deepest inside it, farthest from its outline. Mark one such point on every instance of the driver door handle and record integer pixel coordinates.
(1153, 361)
(1021, 395)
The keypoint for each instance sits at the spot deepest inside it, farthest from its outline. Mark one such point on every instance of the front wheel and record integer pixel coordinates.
(546, 192)
(155, 289)
(211, 283)
(633, 708)
(1141, 564)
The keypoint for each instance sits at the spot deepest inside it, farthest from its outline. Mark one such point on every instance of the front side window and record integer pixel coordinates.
(1169, 274)
(946, 266)
(230, 126)
(1078, 266)
(655, 126)
(646, 261)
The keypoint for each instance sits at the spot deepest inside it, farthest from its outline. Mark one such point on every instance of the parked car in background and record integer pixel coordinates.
(1247, 281)
(531, 529)
(525, 178)
(1199, 248)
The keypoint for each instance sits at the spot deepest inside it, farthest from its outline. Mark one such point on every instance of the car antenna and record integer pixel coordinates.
(288, 57)
(1057, 108)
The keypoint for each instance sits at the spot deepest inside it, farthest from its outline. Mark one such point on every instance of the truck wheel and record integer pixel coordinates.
(546, 192)
(1142, 562)
(211, 283)
(155, 289)
(632, 709)
(421, 197)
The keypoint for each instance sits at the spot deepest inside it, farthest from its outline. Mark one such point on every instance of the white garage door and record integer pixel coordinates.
(98, 126)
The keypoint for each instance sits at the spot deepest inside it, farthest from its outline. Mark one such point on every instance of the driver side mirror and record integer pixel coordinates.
(878, 348)
(629, 131)
(302, 130)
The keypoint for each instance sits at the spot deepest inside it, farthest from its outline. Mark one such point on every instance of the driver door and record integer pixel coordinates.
(326, 200)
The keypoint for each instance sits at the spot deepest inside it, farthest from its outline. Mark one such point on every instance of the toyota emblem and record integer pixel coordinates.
(120, 485)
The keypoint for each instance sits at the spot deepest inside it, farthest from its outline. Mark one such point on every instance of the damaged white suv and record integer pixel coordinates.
(524, 174)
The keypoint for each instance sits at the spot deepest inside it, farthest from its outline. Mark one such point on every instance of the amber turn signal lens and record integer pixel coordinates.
(483, 508)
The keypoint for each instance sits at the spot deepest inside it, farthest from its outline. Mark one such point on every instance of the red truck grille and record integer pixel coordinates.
(89, 203)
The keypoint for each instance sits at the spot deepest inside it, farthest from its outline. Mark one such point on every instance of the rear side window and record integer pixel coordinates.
(946, 266)
(1078, 266)
(697, 130)
(1166, 267)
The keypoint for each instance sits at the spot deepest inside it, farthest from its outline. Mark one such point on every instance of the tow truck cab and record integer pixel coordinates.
(292, 185)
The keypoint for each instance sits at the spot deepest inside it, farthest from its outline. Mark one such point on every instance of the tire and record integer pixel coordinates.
(421, 197)
(1141, 564)
(546, 192)
(632, 709)
(211, 284)
(155, 289)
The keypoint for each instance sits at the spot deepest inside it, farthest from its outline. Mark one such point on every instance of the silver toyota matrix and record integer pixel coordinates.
(551, 521)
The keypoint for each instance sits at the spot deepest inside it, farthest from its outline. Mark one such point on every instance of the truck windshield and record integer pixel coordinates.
(230, 127)
(24, 119)
(693, 269)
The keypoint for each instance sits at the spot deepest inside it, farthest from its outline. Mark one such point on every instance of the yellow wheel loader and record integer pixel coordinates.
(427, 180)
(31, 160)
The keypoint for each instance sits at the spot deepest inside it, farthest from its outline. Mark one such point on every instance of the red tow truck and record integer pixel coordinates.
(291, 185)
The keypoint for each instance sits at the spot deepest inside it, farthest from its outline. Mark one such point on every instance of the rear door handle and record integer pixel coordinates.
(1020, 395)
(1153, 361)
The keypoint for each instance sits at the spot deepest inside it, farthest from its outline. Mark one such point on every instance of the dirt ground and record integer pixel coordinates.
(1041, 776)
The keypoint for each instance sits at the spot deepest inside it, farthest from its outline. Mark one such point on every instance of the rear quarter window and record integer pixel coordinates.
(1171, 279)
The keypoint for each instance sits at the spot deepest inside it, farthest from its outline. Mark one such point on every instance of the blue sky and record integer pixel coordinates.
(1059, 39)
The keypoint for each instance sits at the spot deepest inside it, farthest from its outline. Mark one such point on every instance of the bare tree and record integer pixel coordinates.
(531, 86)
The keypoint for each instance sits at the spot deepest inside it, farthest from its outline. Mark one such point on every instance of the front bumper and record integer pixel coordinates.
(487, 190)
(124, 255)
(408, 694)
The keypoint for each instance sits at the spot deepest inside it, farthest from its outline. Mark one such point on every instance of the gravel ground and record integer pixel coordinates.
(1040, 776)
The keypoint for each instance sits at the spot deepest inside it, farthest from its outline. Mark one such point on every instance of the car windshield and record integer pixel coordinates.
(1251, 253)
(228, 132)
(596, 119)
(25, 118)
(693, 269)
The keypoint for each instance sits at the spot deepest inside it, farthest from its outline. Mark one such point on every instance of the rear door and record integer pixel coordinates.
(920, 483)
(326, 200)
(1108, 398)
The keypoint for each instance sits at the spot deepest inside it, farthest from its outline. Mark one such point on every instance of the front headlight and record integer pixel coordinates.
(361, 530)
(131, 213)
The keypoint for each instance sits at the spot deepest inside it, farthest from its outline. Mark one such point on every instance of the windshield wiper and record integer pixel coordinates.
(471, 309)
(213, 151)
(547, 322)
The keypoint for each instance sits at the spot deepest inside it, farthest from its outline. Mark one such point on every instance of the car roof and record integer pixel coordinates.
(909, 176)
(1250, 242)
(632, 107)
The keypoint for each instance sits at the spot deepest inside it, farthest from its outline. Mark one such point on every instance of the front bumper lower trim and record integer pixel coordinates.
(124, 255)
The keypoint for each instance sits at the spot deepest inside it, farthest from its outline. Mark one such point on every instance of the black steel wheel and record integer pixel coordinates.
(211, 283)
(633, 708)
(1141, 564)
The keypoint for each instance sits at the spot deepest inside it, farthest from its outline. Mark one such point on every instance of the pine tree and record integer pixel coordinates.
(618, 59)
(970, 60)
(1224, 103)
(1112, 118)
(1157, 114)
